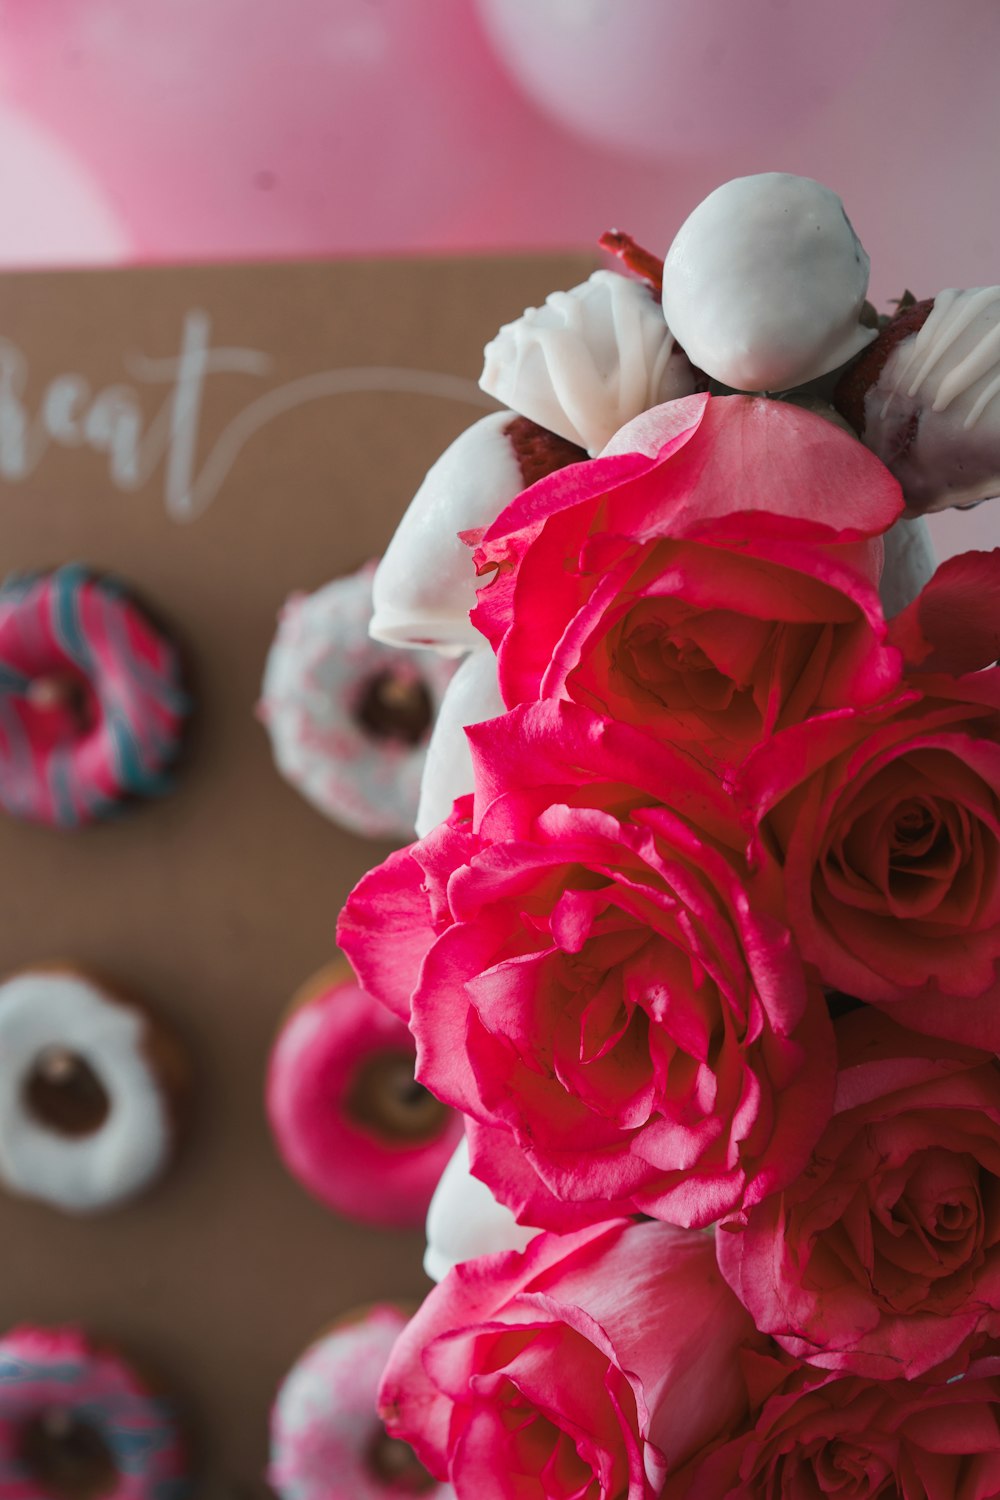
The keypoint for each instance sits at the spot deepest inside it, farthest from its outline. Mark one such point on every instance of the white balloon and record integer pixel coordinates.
(678, 77)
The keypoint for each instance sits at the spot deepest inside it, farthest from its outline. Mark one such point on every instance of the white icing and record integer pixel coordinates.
(318, 667)
(42, 1010)
(465, 1220)
(933, 415)
(588, 361)
(765, 282)
(471, 696)
(425, 584)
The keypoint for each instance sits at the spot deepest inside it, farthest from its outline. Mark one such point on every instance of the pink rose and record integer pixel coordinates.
(819, 1435)
(881, 825)
(883, 1258)
(587, 979)
(591, 1365)
(711, 588)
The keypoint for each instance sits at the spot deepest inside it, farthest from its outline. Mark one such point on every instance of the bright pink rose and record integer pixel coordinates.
(585, 1368)
(847, 1438)
(715, 586)
(879, 828)
(587, 979)
(883, 1258)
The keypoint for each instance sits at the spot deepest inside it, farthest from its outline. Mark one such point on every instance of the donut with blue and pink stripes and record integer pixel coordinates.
(92, 704)
(77, 1419)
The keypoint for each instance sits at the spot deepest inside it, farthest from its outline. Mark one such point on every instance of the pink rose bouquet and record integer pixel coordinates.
(710, 937)
(577, 1368)
(587, 979)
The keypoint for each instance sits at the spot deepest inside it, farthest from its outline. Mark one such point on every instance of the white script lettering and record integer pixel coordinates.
(112, 421)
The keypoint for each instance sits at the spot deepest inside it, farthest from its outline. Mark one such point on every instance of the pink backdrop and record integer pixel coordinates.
(148, 130)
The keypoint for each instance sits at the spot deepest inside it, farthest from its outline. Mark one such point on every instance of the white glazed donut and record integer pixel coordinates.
(350, 719)
(327, 1442)
(87, 1088)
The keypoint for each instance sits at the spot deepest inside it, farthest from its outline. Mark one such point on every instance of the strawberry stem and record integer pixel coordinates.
(642, 263)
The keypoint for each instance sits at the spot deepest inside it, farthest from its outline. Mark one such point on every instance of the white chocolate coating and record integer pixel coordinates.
(471, 696)
(933, 415)
(465, 1220)
(51, 1009)
(588, 361)
(425, 584)
(909, 564)
(765, 281)
(318, 667)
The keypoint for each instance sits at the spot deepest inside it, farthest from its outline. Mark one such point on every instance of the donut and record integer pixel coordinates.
(89, 1091)
(349, 1121)
(349, 719)
(92, 707)
(77, 1420)
(327, 1441)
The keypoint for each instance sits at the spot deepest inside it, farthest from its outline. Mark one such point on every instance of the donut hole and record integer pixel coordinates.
(387, 1100)
(394, 706)
(67, 1457)
(61, 706)
(393, 1462)
(65, 1095)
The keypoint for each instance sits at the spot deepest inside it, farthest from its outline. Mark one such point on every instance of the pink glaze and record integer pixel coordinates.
(56, 1371)
(348, 1165)
(324, 1426)
(91, 704)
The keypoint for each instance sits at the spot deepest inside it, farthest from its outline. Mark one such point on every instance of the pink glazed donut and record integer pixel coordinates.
(91, 703)
(327, 1442)
(350, 1122)
(77, 1420)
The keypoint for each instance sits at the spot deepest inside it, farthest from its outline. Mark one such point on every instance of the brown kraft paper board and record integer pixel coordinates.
(219, 437)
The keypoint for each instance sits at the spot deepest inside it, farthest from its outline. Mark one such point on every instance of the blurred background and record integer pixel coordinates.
(142, 131)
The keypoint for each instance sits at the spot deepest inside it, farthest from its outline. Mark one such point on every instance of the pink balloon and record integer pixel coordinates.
(684, 76)
(53, 213)
(234, 126)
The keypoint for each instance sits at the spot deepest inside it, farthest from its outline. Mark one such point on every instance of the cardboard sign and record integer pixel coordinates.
(218, 437)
